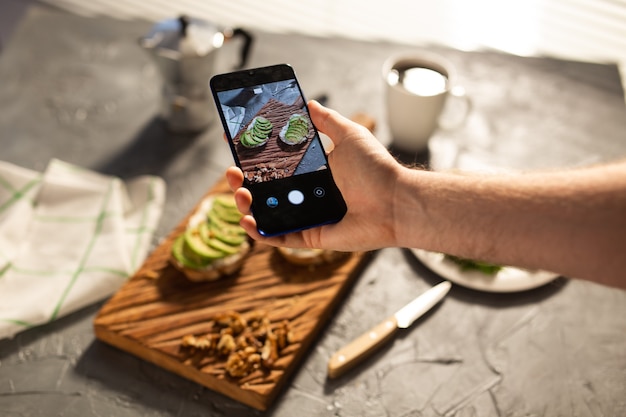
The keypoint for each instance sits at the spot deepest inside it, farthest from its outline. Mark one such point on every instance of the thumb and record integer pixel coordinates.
(330, 122)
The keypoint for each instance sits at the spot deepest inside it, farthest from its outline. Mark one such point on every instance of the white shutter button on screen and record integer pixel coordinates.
(295, 197)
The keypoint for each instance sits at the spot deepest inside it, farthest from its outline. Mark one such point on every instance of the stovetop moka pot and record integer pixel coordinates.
(185, 50)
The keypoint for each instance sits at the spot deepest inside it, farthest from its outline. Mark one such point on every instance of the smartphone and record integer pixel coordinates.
(278, 148)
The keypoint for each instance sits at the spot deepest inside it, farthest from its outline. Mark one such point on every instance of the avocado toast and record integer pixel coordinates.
(213, 244)
(296, 130)
(257, 133)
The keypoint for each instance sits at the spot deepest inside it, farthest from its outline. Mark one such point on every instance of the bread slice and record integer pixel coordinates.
(308, 257)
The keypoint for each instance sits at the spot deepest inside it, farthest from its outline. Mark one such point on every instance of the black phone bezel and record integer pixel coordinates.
(251, 77)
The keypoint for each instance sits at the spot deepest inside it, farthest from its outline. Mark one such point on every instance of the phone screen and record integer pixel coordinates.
(278, 148)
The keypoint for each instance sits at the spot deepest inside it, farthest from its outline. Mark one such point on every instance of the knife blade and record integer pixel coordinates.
(361, 347)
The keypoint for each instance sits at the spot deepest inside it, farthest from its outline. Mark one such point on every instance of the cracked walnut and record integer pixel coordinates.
(246, 343)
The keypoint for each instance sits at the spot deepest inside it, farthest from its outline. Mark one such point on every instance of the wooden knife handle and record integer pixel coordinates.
(357, 350)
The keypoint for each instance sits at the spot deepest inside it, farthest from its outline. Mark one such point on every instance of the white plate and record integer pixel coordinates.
(508, 279)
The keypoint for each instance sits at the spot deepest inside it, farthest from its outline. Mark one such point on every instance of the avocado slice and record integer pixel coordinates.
(213, 241)
(246, 139)
(262, 128)
(197, 246)
(216, 222)
(222, 247)
(178, 251)
(262, 121)
(225, 201)
(262, 131)
(228, 235)
(258, 140)
(229, 215)
(250, 139)
(205, 232)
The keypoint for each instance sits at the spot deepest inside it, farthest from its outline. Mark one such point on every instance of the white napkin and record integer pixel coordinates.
(234, 117)
(69, 237)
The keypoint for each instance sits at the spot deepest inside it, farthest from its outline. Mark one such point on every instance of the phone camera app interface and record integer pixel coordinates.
(271, 131)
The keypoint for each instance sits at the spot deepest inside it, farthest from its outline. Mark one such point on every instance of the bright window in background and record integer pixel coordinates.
(578, 29)
(507, 25)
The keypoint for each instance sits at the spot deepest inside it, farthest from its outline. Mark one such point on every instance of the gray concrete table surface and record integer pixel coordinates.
(81, 90)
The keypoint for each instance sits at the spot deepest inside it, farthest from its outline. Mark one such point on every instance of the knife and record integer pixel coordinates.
(357, 350)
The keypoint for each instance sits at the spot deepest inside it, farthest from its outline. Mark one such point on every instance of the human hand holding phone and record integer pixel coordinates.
(362, 168)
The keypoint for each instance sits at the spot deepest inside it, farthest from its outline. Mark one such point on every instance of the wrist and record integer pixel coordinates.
(409, 206)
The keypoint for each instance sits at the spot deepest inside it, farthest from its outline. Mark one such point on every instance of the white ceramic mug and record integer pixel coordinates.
(417, 86)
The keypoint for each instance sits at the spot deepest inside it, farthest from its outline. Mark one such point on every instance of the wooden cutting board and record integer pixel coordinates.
(158, 306)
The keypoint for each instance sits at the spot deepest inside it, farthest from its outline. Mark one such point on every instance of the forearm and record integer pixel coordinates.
(572, 223)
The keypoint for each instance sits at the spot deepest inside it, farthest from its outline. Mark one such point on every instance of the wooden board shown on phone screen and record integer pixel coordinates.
(158, 306)
(275, 159)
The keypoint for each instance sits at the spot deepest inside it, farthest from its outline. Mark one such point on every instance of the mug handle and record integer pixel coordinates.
(457, 93)
(248, 39)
